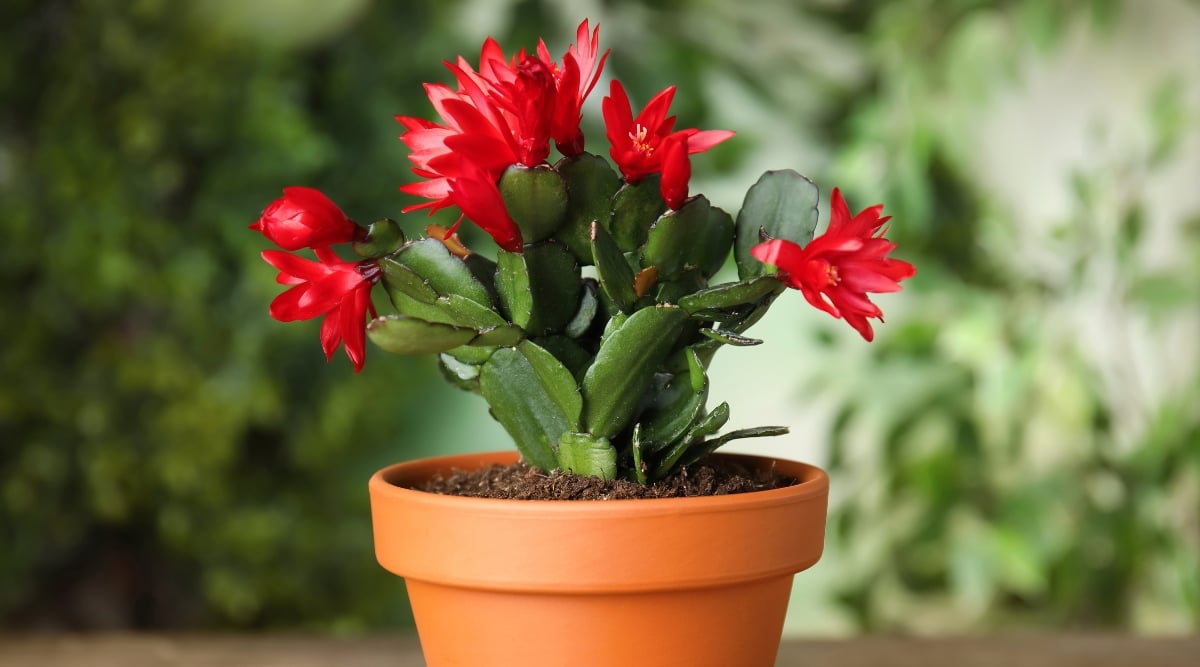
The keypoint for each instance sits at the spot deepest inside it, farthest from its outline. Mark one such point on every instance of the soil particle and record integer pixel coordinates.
(523, 482)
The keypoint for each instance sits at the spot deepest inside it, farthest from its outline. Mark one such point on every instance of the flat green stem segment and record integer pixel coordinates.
(591, 183)
(530, 399)
(639, 465)
(729, 338)
(634, 208)
(539, 288)
(536, 199)
(585, 454)
(675, 407)
(625, 366)
(615, 274)
(401, 334)
(555, 379)
(711, 423)
(701, 450)
(730, 295)
(784, 205)
(696, 235)
(443, 272)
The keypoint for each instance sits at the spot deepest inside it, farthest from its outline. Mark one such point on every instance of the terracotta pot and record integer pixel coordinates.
(695, 582)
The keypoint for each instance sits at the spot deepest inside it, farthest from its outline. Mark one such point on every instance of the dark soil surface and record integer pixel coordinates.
(523, 482)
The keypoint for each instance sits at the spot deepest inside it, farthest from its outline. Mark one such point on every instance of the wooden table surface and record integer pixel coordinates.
(280, 651)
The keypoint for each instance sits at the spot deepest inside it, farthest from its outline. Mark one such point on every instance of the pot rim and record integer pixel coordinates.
(591, 546)
(389, 481)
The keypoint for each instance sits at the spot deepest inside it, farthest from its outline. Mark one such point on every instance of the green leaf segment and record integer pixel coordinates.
(598, 371)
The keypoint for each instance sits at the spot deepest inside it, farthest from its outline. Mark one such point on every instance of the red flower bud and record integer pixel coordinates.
(305, 218)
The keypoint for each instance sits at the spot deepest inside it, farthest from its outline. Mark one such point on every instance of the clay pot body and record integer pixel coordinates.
(695, 582)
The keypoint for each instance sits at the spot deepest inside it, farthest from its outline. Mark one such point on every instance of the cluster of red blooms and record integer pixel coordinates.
(506, 112)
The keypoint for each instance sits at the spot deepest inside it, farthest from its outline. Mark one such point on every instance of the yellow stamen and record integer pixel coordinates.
(831, 274)
(640, 138)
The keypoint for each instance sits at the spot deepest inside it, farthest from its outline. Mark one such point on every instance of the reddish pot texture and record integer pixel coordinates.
(695, 582)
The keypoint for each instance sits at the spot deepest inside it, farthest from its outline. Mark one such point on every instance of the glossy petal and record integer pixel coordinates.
(305, 218)
(677, 170)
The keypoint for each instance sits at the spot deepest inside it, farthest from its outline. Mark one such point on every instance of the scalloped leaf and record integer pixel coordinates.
(706, 426)
(538, 288)
(625, 365)
(535, 198)
(401, 334)
(634, 208)
(783, 204)
(591, 183)
(730, 295)
(443, 272)
(675, 407)
(614, 273)
(524, 406)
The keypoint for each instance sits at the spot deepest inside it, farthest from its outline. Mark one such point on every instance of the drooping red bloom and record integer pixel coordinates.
(337, 289)
(306, 218)
(836, 270)
(502, 114)
(637, 144)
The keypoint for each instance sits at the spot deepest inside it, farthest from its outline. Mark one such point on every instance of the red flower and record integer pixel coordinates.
(574, 81)
(528, 102)
(339, 290)
(306, 218)
(638, 144)
(505, 113)
(837, 269)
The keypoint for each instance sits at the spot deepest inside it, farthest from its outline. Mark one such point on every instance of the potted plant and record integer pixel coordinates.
(587, 330)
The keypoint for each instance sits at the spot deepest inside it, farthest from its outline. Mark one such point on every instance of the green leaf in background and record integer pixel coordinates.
(784, 205)
(672, 242)
(625, 366)
(697, 235)
(589, 305)
(536, 199)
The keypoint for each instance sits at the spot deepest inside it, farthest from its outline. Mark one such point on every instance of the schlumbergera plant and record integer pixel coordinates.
(590, 333)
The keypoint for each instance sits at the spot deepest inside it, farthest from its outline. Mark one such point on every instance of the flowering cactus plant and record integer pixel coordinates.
(589, 333)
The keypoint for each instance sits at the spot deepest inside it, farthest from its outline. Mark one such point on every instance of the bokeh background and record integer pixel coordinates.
(1018, 450)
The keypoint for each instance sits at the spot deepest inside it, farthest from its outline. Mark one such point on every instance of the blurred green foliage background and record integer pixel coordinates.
(1019, 449)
